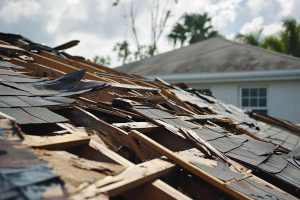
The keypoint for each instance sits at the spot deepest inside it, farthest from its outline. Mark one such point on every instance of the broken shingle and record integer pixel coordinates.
(274, 164)
(221, 171)
(45, 114)
(13, 101)
(246, 156)
(208, 134)
(21, 116)
(258, 147)
(5, 90)
(224, 144)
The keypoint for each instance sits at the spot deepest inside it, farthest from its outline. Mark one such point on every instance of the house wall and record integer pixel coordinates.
(283, 97)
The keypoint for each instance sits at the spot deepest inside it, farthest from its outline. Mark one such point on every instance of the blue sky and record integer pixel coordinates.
(99, 26)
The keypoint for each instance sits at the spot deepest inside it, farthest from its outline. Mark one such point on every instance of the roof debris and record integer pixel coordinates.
(71, 129)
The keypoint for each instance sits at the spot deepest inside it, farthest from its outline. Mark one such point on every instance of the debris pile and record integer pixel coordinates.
(71, 129)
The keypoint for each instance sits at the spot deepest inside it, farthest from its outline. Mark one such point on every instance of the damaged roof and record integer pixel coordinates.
(71, 129)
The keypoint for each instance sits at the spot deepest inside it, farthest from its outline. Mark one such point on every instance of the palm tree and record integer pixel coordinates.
(178, 33)
(199, 27)
(272, 43)
(250, 38)
(193, 28)
(290, 36)
(287, 41)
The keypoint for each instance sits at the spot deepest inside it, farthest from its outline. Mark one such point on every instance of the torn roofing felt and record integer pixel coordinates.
(70, 82)
(109, 142)
(7, 65)
(22, 96)
(22, 174)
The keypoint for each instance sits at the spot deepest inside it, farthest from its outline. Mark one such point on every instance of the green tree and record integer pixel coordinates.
(192, 28)
(250, 38)
(122, 48)
(287, 41)
(178, 34)
(272, 43)
(290, 36)
(101, 60)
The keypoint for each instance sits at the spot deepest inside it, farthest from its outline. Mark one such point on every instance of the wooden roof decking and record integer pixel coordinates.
(134, 138)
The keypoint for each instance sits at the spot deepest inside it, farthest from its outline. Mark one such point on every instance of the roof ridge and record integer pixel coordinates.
(262, 49)
(226, 40)
(161, 54)
(197, 54)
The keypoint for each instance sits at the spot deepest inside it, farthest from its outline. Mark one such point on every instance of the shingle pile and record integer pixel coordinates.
(71, 129)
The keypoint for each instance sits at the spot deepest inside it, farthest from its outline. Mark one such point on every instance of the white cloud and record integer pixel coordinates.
(99, 25)
(255, 25)
(230, 36)
(256, 6)
(223, 13)
(15, 11)
(271, 29)
(286, 7)
(67, 10)
(90, 44)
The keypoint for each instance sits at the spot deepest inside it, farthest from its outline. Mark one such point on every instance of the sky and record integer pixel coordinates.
(99, 25)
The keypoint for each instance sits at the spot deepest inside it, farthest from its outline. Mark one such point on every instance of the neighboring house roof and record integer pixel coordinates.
(213, 55)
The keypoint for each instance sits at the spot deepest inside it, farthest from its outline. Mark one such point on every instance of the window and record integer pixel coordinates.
(254, 98)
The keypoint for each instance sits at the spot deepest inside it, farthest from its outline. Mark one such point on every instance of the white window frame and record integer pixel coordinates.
(254, 107)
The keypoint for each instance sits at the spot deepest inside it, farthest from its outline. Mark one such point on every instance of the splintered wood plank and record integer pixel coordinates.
(162, 191)
(58, 65)
(155, 190)
(186, 165)
(109, 153)
(272, 120)
(76, 171)
(100, 67)
(54, 192)
(61, 141)
(202, 117)
(133, 87)
(195, 156)
(48, 57)
(132, 177)
(141, 126)
(39, 69)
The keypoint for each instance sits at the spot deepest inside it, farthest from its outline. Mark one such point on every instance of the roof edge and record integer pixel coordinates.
(223, 77)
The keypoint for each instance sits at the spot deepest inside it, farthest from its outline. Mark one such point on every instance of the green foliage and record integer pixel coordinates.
(290, 36)
(251, 38)
(272, 43)
(101, 60)
(192, 28)
(287, 41)
(122, 48)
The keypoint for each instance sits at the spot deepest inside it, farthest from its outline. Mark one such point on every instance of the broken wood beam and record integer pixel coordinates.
(186, 165)
(66, 45)
(155, 190)
(132, 177)
(58, 141)
(139, 126)
(271, 120)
